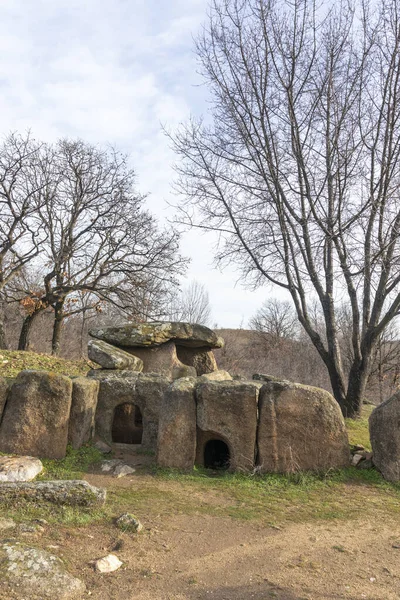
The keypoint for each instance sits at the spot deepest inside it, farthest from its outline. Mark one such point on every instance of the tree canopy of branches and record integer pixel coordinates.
(98, 240)
(298, 168)
(191, 305)
(276, 318)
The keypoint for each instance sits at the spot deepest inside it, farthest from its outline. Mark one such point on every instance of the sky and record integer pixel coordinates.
(115, 72)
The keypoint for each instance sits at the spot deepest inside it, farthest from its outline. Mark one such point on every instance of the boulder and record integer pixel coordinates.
(176, 446)
(83, 409)
(202, 359)
(19, 468)
(300, 428)
(35, 419)
(3, 394)
(108, 564)
(156, 333)
(28, 572)
(110, 357)
(163, 360)
(216, 376)
(384, 432)
(72, 493)
(128, 522)
(227, 413)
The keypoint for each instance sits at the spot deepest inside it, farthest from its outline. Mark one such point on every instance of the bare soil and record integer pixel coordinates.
(194, 555)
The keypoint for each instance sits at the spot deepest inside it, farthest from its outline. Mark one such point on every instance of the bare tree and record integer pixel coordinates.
(21, 195)
(298, 170)
(277, 318)
(192, 305)
(99, 241)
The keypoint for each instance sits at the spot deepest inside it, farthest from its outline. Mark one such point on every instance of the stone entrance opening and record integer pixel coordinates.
(216, 455)
(127, 425)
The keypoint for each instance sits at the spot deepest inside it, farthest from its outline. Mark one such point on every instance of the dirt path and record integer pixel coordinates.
(196, 556)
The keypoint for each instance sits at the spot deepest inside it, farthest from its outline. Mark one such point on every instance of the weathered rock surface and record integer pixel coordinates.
(176, 445)
(35, 419)
(144, 390)
(37, 574)
(300, 428)
(110, 357)
(7, 524)
(384, 432)
(128, 522)
(202, 359)
(157, 333)
(108, 564)
(3, 394)
(227, 411)
(19, 468)
(83, 409)
(216, 376)
(162, 360)
(118, 468)
(72, 493)
(102, 447)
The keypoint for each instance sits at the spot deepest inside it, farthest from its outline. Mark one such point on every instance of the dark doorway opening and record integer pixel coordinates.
(127, 425)
(216, 455)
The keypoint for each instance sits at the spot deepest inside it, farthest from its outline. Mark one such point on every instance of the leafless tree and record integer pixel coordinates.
(192, 305)
(22, 185)
(276, 318)
(99, 241)
(298, 168)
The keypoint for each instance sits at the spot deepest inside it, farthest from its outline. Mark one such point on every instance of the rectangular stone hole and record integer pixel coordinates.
(127, 425)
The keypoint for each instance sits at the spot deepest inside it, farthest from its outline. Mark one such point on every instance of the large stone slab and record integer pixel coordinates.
(227, 411)
(35, 419)
(110, 357)
(384, 432)
(300, 428)
(19, 468)
(83, 410)
(157, 333)
(28, 572)
(72, 493)
(176, 445)
(202, 359)
(144, 390)
(4, 388)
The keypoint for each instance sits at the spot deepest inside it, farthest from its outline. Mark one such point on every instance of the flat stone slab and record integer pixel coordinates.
(110, 357)
(72, 493)
(19, 468)
(156, 333)
(34, 573)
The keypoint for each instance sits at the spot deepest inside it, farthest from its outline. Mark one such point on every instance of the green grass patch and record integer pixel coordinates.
(13, 361)
(358, 428)
(74, 465)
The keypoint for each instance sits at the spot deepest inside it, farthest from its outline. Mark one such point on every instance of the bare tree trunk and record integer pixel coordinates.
(25, 330)
(57, 327)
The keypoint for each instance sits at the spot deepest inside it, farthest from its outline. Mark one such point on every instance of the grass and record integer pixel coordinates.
(358, 428)
(14, 361)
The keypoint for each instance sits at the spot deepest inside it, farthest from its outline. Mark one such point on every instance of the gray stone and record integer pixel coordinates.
(183, 371)
(108, 564)
(128, 522)
(300, 428)
(216, 376)
(176, 445)
(384, 432)
(144, 390)
(83, 409)
(4, 388)
(110, 357)
(227, 411)
(19, 468)
(72, 493)
(157, 333)
(35, 419)
(162, 360)
(202, 359)
(35, 573)
(266, 378)
(102, 447)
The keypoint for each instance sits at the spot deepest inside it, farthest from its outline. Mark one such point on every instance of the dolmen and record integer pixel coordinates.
(159, 388)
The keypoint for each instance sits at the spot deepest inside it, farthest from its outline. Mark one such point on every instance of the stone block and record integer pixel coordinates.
(176, 445)
(202, 359)
(110, 357)
(227, 412)
(300, 428)
(4, 388)
(83, 409)
(384, 432)
(35, 419)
